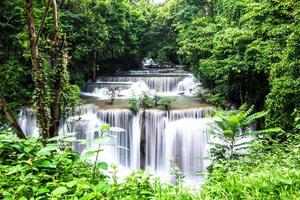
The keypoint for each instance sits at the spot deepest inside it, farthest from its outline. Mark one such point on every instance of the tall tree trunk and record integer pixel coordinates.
(37, 72)
(11, 118)
(60, 69)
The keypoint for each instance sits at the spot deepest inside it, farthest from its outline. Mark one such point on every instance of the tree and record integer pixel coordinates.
(48, 112)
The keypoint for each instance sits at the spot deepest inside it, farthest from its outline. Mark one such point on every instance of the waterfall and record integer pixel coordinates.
(152, 138)
(186, 146)
(136, 83)
(177, 134)
(27, 122)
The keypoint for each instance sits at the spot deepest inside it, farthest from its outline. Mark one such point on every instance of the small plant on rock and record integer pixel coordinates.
(134, 104)
(167, 102)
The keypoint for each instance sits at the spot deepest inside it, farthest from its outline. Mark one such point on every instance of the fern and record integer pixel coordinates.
(232, 128)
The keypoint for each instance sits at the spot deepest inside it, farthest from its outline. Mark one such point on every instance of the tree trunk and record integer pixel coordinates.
(60, 69)
(94, 67)
(11, 118)
(37, 72)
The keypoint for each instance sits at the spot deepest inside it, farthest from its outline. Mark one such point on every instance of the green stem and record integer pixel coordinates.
(96, 161)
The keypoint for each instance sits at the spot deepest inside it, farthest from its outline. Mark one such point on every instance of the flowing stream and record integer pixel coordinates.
(154, 139)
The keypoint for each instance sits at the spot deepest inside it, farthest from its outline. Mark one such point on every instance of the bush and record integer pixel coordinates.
(134, 104)
(167, 102)
(211, 98)
(233, 133)
(146, 101)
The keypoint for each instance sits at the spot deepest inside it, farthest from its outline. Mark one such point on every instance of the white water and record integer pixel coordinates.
(179, 135)
(153, 137)
(137, 82)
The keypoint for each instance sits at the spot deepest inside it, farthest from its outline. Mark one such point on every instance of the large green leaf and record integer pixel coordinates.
(59, 191)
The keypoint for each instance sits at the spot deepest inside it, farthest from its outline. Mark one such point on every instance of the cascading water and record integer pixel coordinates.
(153, 137)
(180, 135)
(27, 122)
(137, 82)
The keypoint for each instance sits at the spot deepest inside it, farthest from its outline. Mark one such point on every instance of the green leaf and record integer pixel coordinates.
(48, 148)
(47, 164)
(104, 127)
(72, 134)
(60, 190)
(71, 183)
(103, 165)
(88, 154)
(54, 139)
(43, 190)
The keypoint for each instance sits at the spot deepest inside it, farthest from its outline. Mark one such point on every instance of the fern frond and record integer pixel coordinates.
(270, 130)
(248, 111)
(252, 118)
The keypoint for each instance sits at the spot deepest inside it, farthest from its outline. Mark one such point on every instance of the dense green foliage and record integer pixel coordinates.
(248, 51)
(268, 172)
(245, 51)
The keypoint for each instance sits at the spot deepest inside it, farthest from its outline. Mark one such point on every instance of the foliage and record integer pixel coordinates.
(166, 102)
(147, 101)
(134, 104)
(233, 133)
(70, 98)
(247, 51)
(267, 172)
(211, 98)
(30, 170)
(141, 185)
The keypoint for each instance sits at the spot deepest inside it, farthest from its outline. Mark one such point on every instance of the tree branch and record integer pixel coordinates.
(55, 19)
(43, 21)
(11, 118)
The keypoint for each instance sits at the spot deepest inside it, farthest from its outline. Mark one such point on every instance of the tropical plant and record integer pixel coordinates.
(269, 171)
(233, 132)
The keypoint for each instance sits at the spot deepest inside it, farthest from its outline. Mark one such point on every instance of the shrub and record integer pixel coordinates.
(28, 169)
(146, 101)
(215, 99)
(134, 104)
(167, 102)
